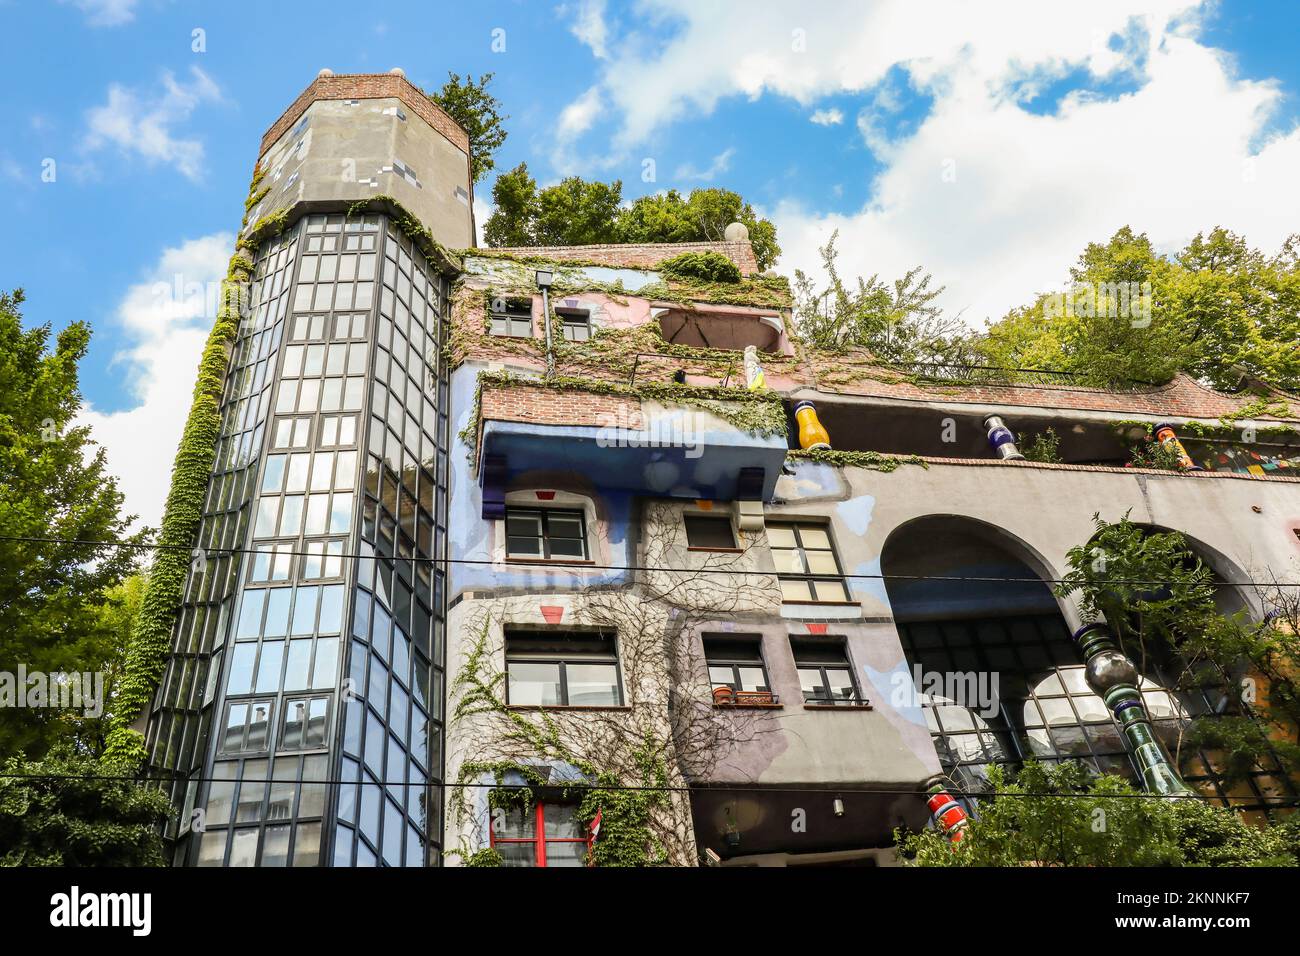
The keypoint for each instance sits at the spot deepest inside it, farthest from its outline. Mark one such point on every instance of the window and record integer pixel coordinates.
(711, 532)
(545, 533)
(246, 727)
(543, 834)
(513, 318)
(562, 669)
(306, 723)
(736, 664)
(805, 562)
(824, 672)
(575, 325)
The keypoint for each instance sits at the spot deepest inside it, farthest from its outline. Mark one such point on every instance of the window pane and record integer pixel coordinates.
(814, 537)
(810, 679)
(722, 676)
(753, 678)
(841, 683)
(533, 684)
(517, 854)
(780, 536)
(831, 590)
(709, 532)
(561, 820)
(795, 590)
(822, 562)
(592, 685)
(566, 854)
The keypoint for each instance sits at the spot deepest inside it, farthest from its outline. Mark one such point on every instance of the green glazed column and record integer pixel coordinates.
(1114, 678)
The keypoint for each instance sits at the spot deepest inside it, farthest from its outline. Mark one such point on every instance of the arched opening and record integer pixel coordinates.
(999, 678)
(1179, 688)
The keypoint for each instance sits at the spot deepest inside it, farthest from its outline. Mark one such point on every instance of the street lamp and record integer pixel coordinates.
(544, 278)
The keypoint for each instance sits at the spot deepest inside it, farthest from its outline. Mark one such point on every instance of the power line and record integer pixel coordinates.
(577, 565)
(704, 788)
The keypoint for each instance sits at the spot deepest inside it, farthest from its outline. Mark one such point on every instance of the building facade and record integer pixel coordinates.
(539, 556)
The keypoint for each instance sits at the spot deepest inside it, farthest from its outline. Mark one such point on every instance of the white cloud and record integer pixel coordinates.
(588, 25)
(105, 13)
(142, 125)
(721, 163)
(165, 318)
(997, 201)
(830, 117)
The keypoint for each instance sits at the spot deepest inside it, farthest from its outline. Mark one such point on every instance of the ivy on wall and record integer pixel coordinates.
(625, 802)
(150, 642)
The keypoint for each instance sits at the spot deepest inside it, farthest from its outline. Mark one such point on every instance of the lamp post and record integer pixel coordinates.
(544, 278)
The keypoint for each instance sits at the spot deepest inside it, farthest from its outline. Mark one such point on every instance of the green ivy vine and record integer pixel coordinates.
(626, 804)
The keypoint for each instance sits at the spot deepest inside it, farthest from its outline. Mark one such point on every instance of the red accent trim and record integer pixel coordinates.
(545, 495)
(817, 628)
(552, 613)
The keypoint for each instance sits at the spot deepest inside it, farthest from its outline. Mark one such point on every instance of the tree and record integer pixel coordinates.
(1062, 816)
(577, 213)
(572, 213)
(581, 212)
(471, 105)
(897, 322)
(65, 811)
(514, 195)
(1216, 310)
(53, 485)
(703, 216)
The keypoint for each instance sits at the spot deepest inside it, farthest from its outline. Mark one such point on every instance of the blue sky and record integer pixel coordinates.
(987, 146)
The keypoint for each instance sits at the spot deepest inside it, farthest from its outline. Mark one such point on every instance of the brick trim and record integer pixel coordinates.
(367, 86)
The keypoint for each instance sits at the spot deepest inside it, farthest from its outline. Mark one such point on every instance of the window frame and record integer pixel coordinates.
(733, 548)
(735, 662)
(510, 320)
(562, 660)
(573, 319)
(539, 838)
(811, 579)
(798, 644)
(544, 515)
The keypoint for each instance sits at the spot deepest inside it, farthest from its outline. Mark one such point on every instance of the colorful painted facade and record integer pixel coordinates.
(792, 600)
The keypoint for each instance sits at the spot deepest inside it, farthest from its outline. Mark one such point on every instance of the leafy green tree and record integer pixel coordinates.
(470, 104)
(897, 322)
(581, 212)
(1179, 617)
(64, 810)
(1242, 309)
(1062, 816)
(573, 212)
(1217, 310)
(53, 485)
(703, 216)
(514, 195)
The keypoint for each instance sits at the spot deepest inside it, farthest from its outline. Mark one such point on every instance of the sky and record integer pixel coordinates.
(987, 143)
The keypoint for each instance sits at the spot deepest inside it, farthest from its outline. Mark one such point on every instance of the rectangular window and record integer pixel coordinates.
(542, 834)
(710, 532)
(805, 560)
(737, 674)
(306, 723)
(824, 671)
(512, 318)
(545, 533)
(575, 324)
(246, 727)
(562, 669)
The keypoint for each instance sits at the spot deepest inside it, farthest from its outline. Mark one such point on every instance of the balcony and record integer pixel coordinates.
(675, 441)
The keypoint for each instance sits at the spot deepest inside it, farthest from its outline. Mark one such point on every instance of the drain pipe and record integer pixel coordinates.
(544, 278)
(1001, 439)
